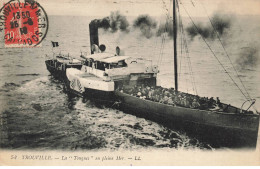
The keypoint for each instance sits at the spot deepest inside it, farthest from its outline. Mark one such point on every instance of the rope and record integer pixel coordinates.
(163, 36)
(161, 51)
(187, 53)
(225, 51)
(212, 51)
(180, 67)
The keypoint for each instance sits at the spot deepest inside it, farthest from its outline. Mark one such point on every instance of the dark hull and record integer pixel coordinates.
(58, 70)
(220, 129)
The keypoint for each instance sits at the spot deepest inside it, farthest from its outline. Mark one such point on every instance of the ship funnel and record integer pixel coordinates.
(93, 34)
(93, 31)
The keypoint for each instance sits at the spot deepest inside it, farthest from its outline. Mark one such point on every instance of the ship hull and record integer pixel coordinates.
(58, 70)
(52, 69)
(219, 129)
(98, 97)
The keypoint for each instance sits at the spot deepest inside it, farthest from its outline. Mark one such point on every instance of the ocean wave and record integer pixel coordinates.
(19, 65)
(6, 65)
(29, 74)
(8, 85)
(34, 85)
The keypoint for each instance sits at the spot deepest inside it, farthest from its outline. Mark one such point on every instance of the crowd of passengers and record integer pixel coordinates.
(173, 97)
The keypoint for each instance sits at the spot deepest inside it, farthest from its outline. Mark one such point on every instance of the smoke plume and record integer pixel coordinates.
(165, 28)
(118, 22)
(221, 24)
(248, 57)
(105, 24)
(146, 24)
(114, 22)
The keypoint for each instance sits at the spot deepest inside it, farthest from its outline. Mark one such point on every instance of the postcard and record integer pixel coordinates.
(129, 83)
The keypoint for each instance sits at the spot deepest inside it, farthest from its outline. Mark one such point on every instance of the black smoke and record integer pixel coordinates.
(116, 21)
(248, 57)
(146, 24)
(200, 29)
(165, 28)
(105, 23)
(219, 23)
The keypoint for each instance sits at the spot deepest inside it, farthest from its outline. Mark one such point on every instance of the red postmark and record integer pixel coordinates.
(25, 23)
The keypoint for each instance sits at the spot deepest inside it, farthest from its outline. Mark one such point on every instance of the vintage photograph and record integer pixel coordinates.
(128, 76)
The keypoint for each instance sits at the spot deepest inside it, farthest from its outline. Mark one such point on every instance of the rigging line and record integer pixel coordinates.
(156, 45)
(225, 50)
(180, 23)
(161, 43)
(181, 55)
(192, 3)
(190, 66)
(155, 49)
(190, 69)
(163, 38)
(183, 41)
(180, 62)
(180, 67)
(160, 52)
(179, 74)
(187, 52)
(214, 53)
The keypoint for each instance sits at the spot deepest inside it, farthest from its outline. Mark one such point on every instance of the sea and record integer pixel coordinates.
(36, 113)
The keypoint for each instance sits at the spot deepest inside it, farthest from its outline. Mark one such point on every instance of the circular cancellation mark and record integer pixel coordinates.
(23, 23)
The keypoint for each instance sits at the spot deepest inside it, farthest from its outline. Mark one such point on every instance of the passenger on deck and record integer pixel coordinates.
(212, 103)
(172, 97)
(170, 101)
(165, 99)
(135, 90)
(219, 104)
(195, 104)
(226, 108)
(160, 98)
(157, 98)
(139, 94)
(151, 94)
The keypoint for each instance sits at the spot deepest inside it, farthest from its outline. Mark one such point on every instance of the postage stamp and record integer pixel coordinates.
(23, 23)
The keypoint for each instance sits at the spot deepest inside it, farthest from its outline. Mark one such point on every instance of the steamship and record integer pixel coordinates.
(100, 75)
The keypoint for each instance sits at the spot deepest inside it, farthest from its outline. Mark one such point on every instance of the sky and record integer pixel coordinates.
(151, 7)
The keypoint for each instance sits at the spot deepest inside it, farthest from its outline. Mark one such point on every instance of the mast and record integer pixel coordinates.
(175, 44)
